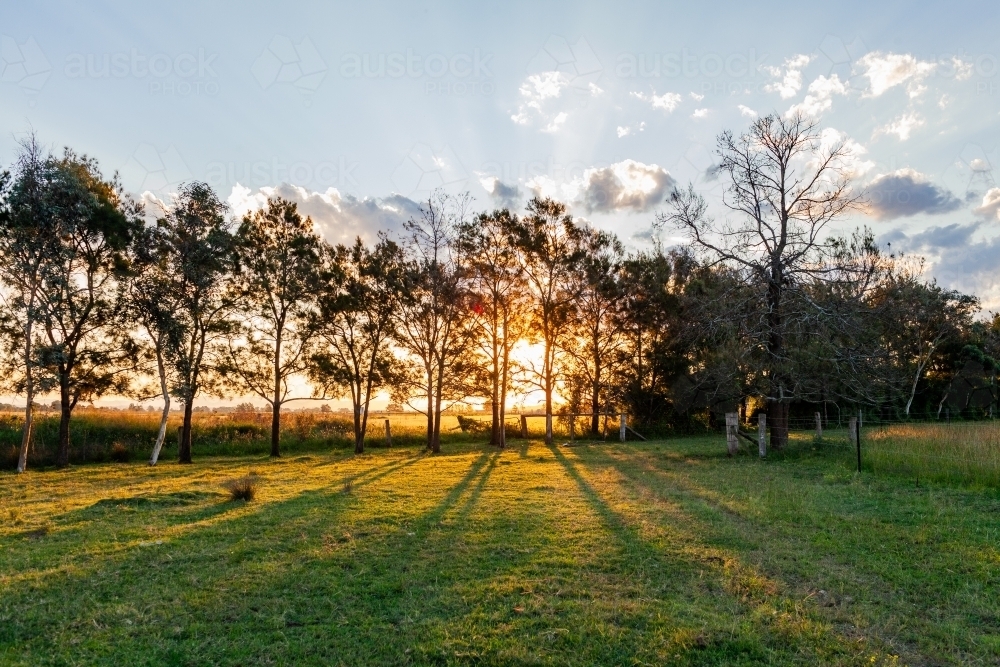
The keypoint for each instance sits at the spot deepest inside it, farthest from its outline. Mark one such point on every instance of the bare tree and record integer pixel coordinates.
(277, 278)
(784, 188)
(355, 322)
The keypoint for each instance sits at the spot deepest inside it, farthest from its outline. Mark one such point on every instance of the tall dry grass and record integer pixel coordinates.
(965, 452)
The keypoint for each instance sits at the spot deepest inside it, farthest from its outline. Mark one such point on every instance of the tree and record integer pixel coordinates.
(917, 320)
(195, 244)
(82, 354)
(355, 322)
(431, 320)
(550, 245)
(496, 285)
(785, 185)
(153, 307)
(27, 239)
(277, 277)
(597, 329)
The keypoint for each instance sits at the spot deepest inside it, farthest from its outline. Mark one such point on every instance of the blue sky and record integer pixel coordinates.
(357, 110)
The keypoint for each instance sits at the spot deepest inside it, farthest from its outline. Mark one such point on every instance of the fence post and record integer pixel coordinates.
(388, 434)
(857, 438)
(524, 427)
(819, 427)
(621, 427)
(732, 424)
(572, 425)
(762, 433)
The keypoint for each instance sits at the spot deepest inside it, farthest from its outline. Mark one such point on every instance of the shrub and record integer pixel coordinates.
(120, 453)
(242, 488)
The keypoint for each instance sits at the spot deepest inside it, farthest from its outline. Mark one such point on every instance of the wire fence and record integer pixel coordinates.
(946, 450)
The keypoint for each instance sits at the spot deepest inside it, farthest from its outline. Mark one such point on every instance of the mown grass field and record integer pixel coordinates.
(607, 554)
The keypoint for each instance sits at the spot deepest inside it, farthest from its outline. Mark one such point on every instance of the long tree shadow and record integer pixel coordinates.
(750, 593)
(843, 559)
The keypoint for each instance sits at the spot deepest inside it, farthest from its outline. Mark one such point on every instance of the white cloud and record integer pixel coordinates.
(991, 204)
(340, 218)
(746, 111)
(696, 97)
(630, 130)
(790, 80)
(700, 113)
(820, 96)
(963, 70)
(539, 92)
(623, 186)
(901, 127)
(852, 164)
(885, 71)
(667, 101)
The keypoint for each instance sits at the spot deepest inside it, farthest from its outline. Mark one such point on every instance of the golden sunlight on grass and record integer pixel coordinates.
(641, 554)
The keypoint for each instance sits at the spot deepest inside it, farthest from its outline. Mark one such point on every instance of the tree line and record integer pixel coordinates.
(766, 309)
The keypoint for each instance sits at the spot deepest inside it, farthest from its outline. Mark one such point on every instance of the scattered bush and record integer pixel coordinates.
(120, 453)
(243, 488)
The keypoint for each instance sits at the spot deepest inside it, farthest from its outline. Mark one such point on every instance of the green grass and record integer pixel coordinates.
(963, 452)
(641, 554)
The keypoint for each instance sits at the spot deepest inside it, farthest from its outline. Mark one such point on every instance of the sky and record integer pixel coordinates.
(357, 111)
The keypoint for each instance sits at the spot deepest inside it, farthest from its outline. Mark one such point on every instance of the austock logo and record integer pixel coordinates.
(285, 62)
(23, 64)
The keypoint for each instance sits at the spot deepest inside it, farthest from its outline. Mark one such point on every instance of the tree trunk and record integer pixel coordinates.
(276, 403)
(184, 448)
(165, 415)
(548, 395)
(502, 395)
(436, 440)
(29, 390)
(777, 403)
(595, 406)
(777, 417)
(65, 410)
(430, 409)
(359, 438)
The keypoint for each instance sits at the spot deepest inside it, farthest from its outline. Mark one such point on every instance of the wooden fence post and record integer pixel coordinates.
(388, 434)
(572, 429)
(524, 427)
(621, 427)
(819, 427)
(732, 426)
(857, 439)
(762, 433)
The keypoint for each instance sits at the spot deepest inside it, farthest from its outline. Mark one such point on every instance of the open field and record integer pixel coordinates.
(657, 553)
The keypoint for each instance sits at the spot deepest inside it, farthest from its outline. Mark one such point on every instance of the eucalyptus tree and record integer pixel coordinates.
(786, 183)
(82, 351)
(28, 237)
(597, 331)
(195, 247)
(551, 246)
(355, 321)
(496, 289)
(276, 282)
(432, 321)
(152, 310)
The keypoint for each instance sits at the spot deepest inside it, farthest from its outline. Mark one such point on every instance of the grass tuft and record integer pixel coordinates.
(243, 488)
